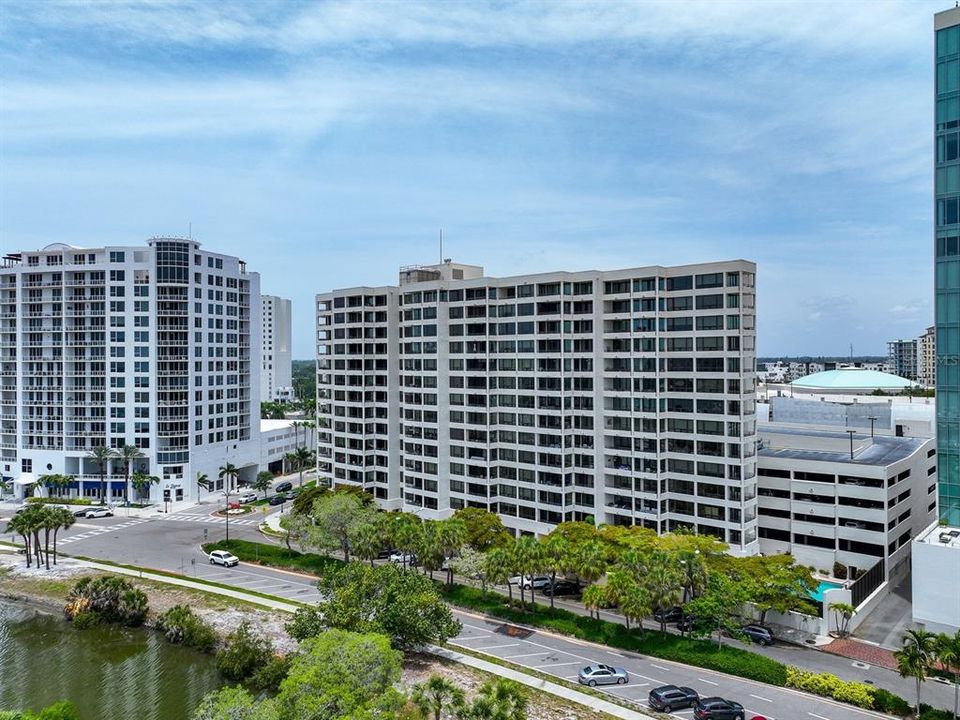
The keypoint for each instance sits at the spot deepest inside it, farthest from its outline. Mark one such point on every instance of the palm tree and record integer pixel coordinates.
(102, 455)
(203, 483)
(590, 561)
(529, 560)
(593, 598)
(64, 520)
(844, 611)
(54, 482)
(263, 481)
(228, 473)
(452, 536)
(664, 584)
(694, 571)
(127, 454)
(367, 541)
(21, 526)
(435, 694)
(557, 552)
(498, 699)
(4, 486)
(498, 566)
(948, 653)
(914, 658)
(142, 481)
(302, 457)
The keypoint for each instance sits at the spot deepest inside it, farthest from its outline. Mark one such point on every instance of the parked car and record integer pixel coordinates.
(599, 674)
(82, 512)
(668, 697)
(400, 557)
(223, 557)
(687, 623)
(385, 554)
(246, 497)
(102, 511)
(759, 634)
(277, 499)
(537, 582)
(560, 587)
(716, 708)
(285, 486)
(674, 614)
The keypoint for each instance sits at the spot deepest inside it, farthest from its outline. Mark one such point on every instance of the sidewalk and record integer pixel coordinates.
(864, 652)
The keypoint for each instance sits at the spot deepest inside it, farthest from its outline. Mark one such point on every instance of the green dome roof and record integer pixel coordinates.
(853, 379)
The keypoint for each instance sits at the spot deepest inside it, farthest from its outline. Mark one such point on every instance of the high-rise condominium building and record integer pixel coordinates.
(927, 358)
(947, 264)
(150, 346)
(902, 356)
(276, 362)
(624, 397)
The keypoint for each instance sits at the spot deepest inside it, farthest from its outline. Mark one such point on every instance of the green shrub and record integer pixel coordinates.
(63, 710)
(107, 599)
(306, 622)
(60, 501)
(180, 625)
(929, 713)
(243, 655)
(886, 702)
(270, 675)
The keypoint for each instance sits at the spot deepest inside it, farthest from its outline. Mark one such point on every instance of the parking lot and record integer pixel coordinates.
(563, 658)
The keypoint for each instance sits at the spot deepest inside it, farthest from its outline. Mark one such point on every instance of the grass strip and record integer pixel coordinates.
(701, 653)
(275, 556)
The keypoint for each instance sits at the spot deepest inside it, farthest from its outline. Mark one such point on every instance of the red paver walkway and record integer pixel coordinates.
(864, 652)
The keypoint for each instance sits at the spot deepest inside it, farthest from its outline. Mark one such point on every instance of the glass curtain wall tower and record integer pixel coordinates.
(947, 262)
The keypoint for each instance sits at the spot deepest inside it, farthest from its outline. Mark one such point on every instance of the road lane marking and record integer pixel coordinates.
(708, 682)
(495, 647)
(758, 697)
(821, 717)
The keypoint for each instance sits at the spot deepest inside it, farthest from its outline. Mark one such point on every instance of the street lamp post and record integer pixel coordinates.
(872, 419)
(851, 433)
(226, 510)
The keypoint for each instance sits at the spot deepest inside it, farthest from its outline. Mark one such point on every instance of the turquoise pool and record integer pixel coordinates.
(822, 588)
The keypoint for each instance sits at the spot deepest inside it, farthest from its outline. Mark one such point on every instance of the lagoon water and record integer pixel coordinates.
(108, 673)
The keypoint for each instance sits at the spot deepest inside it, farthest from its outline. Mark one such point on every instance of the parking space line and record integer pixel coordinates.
(477, 627)
(554, 665)
(708, 682)
(758, 697)
(659, 667)
(514, 657)
(495, 647)
(820, 717)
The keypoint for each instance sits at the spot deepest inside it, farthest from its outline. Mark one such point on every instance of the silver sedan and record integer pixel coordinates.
(598, 674)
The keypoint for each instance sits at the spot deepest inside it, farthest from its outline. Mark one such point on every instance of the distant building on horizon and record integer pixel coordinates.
(276, 366)
(902, 355)
(927, 358)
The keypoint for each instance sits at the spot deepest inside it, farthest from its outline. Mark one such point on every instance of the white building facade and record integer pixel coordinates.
(624, 397)
(927, 358)
(151, 346)
(276, 362)
(824, 504)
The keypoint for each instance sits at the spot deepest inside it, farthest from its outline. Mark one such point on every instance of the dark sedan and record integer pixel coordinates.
(668, 697)
(759, 634)
(560, 587)
(285, 486)
(278, 499)
(672, 615)
(716, 708)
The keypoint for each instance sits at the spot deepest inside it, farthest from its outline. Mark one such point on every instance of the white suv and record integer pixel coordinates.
(246, 497)
(223, 557)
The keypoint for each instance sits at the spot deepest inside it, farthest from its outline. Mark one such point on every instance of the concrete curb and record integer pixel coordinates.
(594, 703)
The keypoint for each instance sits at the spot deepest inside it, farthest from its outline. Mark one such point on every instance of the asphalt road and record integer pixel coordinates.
(172, 543)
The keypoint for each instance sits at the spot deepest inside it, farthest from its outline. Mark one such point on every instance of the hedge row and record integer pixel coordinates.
(59, 501)
(275, 556)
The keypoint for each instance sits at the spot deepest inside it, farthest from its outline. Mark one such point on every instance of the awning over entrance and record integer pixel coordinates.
(26, 479)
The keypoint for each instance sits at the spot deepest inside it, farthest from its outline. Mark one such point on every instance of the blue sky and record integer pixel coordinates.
(327, 142)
